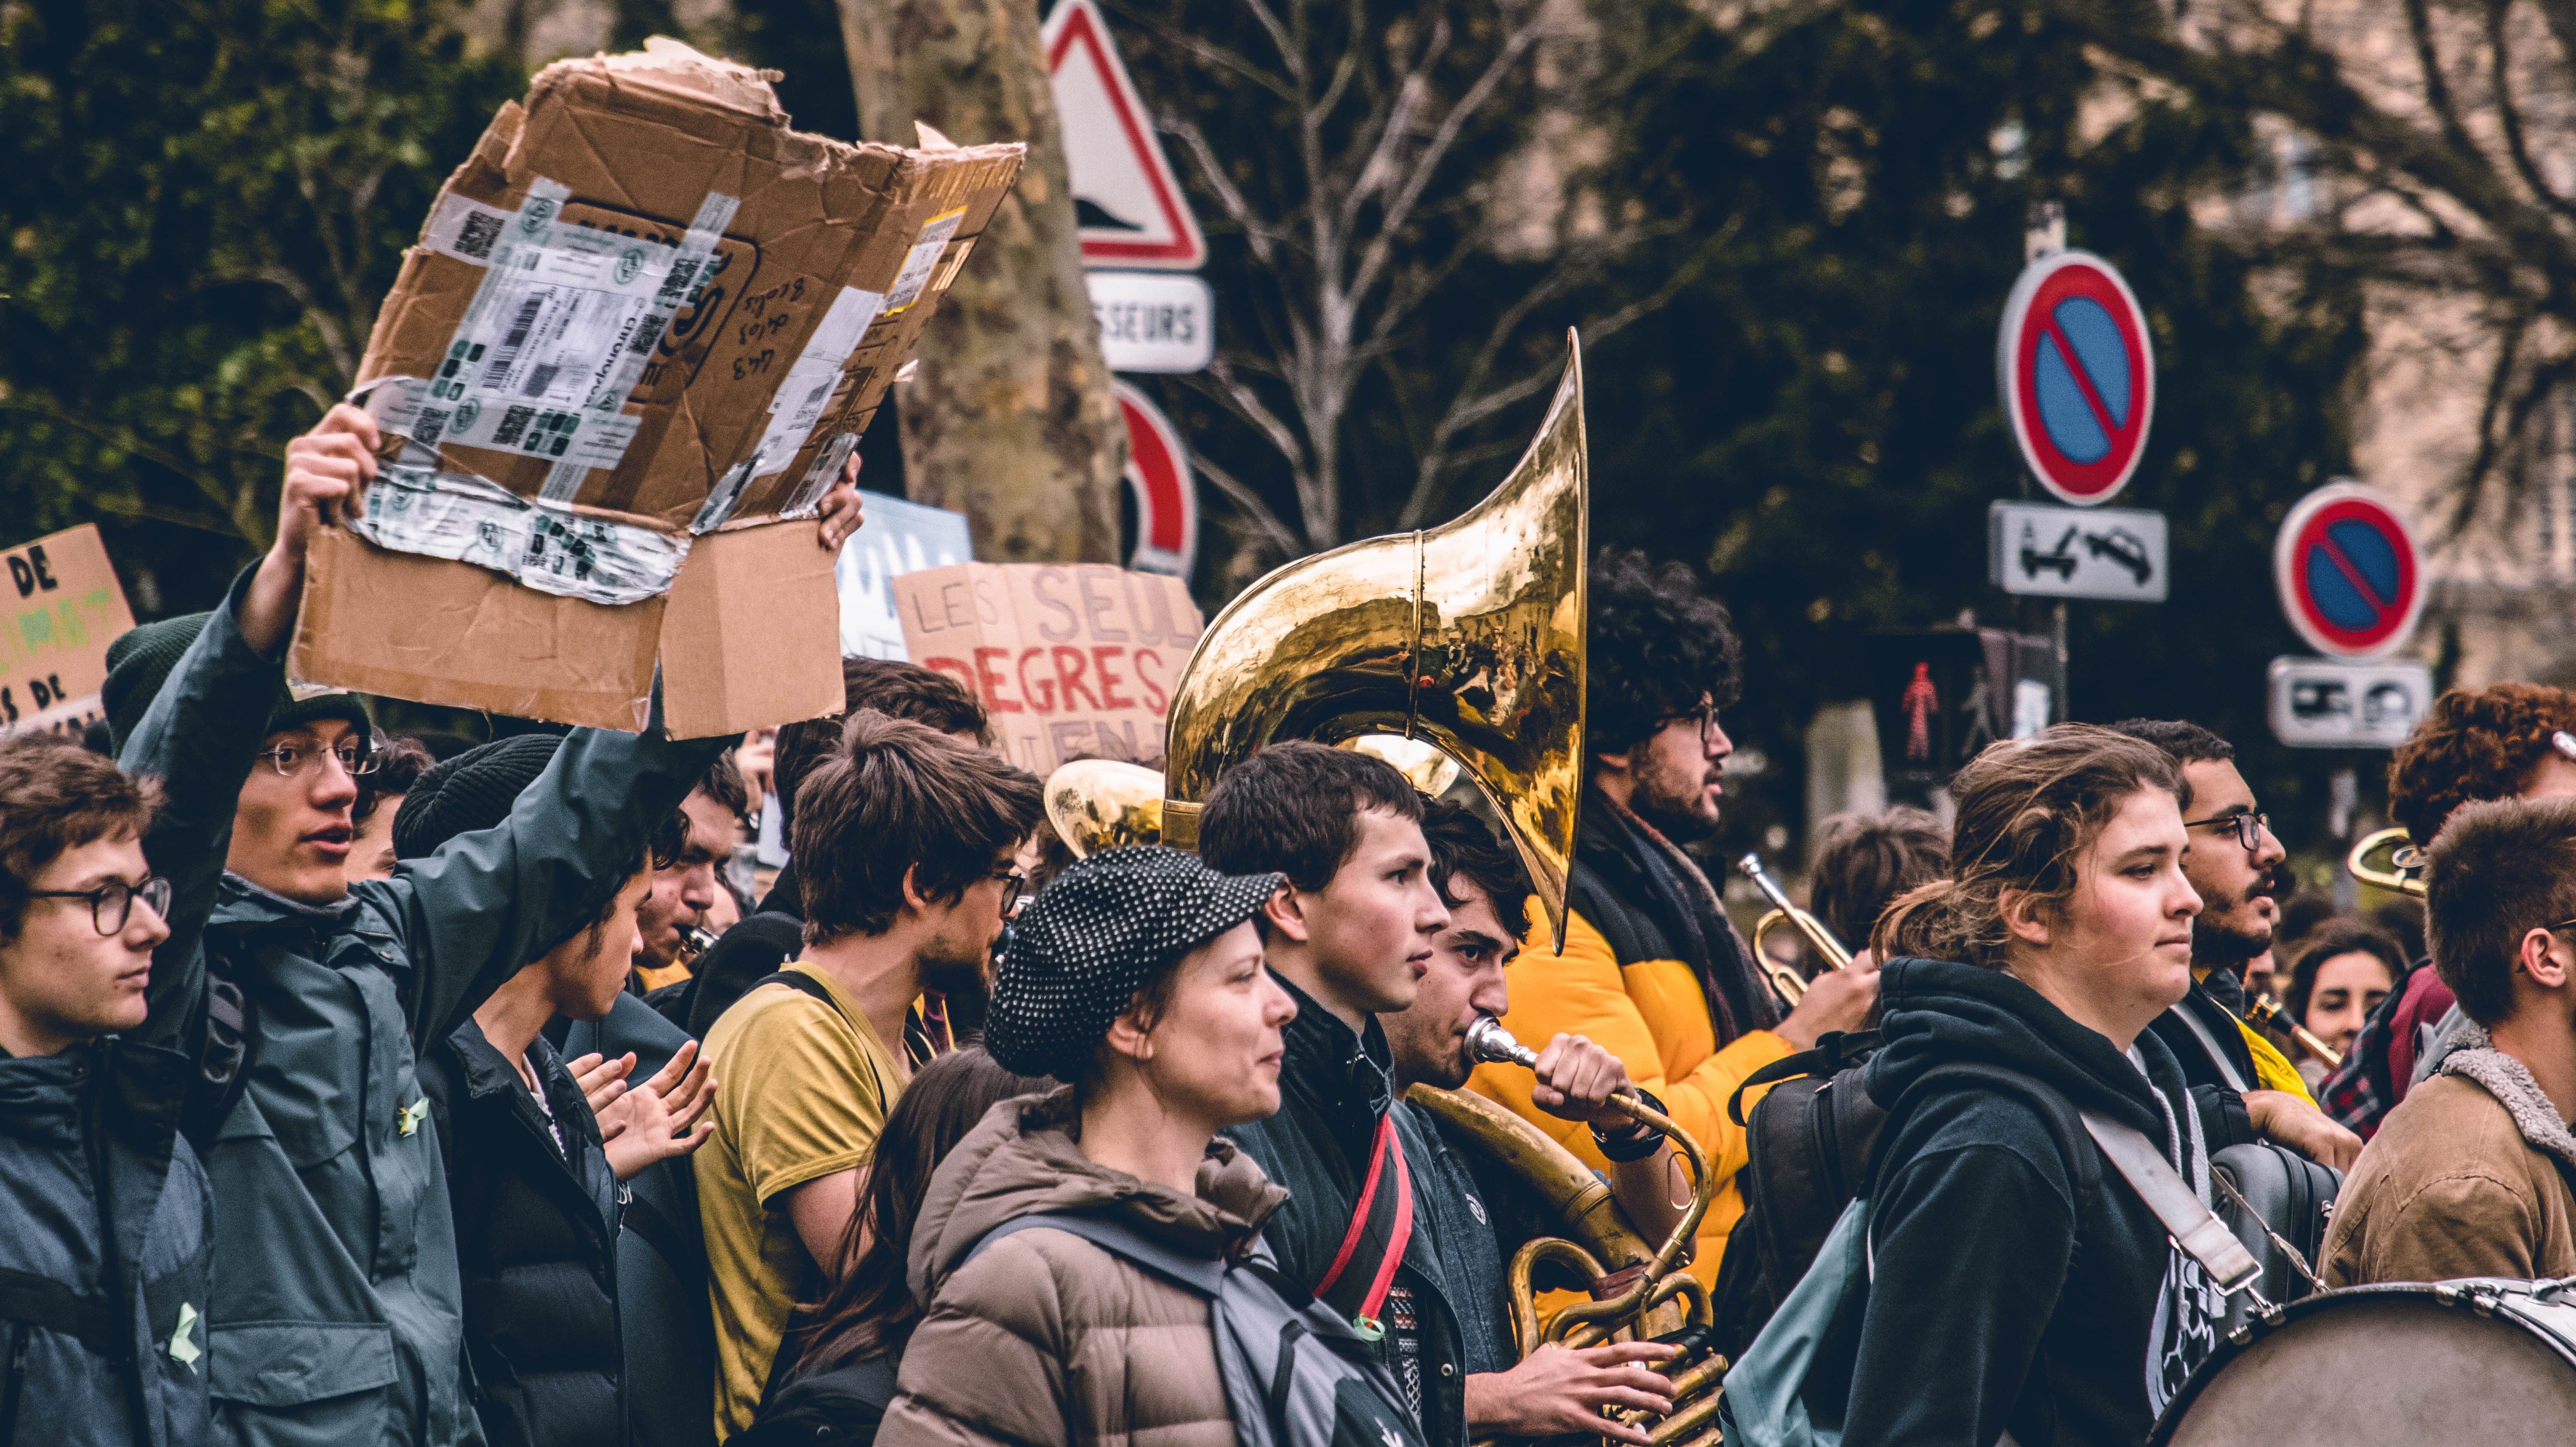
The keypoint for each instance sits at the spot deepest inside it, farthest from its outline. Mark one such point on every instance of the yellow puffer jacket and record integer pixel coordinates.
(1653, 1015)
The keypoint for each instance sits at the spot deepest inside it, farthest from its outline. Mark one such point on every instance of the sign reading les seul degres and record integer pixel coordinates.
(1071, 661)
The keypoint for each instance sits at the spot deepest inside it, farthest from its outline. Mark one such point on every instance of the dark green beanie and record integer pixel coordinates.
(141, 660)
(472, 791)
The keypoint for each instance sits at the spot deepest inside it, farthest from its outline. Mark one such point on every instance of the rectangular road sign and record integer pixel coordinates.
(1153, 321)
(2334, 703)
(2046, 551)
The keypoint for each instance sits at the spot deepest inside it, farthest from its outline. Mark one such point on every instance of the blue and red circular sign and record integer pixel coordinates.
(2078, 376)
(2349, 573)
(1158, 477)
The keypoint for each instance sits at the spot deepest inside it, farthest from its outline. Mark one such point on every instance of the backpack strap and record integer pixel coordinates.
(2200, 1234)
(1381, 1226)
(45, 1302)
(1834, 1051)
(1199, 1275)
(2182, 1011)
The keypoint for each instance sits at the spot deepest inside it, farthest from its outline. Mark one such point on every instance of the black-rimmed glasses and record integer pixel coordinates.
(2248, 826)
(112, 903)
(1706, 714)
(356, 757)
(1012, 883)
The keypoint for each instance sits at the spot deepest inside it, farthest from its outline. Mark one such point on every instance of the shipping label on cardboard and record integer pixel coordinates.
(419, 509)
(1070, 661)
(62, 608)
(922, 259)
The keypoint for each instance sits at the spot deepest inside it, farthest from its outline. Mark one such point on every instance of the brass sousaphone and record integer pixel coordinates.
(1468, 638)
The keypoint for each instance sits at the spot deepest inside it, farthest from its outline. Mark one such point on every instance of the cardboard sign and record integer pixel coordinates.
(643, 316)
(63, 607)
(1072, 661)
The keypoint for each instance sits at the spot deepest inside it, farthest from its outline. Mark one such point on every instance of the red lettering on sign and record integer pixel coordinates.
(1110, 697)
(1041, 692)
(991, 682)
(956, 666)
(1071, 676)
(1155, 698)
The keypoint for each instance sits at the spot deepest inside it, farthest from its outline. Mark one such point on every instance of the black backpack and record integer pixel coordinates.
(1810, 1144)
(838, 1406)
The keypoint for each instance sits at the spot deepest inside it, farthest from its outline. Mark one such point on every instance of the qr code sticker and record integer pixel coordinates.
(431, 427)
(514, 423)
(481, 229)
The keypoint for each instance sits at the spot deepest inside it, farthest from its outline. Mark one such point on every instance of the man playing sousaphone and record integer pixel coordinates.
(1652, 970)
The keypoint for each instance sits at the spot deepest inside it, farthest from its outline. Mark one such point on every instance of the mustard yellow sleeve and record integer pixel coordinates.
(1582, 992)
(2272, 1069)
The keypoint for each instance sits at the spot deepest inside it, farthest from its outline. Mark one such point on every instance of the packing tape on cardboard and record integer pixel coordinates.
(617, 382)
(415, 506)
(796, 408)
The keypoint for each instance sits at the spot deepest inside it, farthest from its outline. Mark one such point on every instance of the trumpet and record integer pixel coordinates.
(1590, 1323)
(1791, 985)
(2405, 861)
(2265, 1010)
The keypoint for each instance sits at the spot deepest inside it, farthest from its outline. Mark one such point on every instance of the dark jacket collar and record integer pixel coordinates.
(241, 902)
(1346, 1076)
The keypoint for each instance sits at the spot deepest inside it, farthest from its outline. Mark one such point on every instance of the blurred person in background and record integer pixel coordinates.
(399, 763)
(1864, 861)
(836, 1366)
(2345, 968)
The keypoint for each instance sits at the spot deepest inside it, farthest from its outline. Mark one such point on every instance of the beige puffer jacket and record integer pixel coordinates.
(1046, 1339)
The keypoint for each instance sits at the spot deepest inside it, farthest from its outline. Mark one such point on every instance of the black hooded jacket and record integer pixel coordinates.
(2004, 1294)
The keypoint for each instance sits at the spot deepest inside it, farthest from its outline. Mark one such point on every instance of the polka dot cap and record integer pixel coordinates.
(1081, 950)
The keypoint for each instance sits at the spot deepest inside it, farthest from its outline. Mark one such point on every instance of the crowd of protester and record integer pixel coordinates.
(421, 1091)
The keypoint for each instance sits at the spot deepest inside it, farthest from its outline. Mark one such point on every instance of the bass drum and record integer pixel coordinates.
(2485, 1361)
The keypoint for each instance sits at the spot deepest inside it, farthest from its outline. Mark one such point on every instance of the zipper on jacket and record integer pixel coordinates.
(16, 1384)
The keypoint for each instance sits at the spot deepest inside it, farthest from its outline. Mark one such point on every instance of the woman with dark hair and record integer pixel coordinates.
(2017, 1283)
(838, 1358)
(1137, 976)
(2344, 969)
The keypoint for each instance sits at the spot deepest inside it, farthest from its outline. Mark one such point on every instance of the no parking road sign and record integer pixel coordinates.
(2348, 571)
(2078, 375)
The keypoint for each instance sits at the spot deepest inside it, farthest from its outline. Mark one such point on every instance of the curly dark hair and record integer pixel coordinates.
(1658, 643)
(2478, 743)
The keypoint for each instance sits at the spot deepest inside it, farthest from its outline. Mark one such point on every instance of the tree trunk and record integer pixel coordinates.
(1008, 418)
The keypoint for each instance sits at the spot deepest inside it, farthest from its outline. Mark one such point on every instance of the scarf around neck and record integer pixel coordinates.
(1738, 999)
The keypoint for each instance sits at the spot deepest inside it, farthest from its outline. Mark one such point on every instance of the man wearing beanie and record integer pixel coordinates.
(336, 1313)
(904, 841)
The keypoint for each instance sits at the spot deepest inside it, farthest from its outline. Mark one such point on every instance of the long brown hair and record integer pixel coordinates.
(868, 1308)
(2027, 807)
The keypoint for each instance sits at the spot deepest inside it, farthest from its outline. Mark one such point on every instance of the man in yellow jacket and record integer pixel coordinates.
(1652, 971)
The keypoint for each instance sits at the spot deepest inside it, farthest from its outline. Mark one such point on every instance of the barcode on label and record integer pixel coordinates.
(481, 229)
(431, 427)
(507, 355)
(539, 379)
(514, 425)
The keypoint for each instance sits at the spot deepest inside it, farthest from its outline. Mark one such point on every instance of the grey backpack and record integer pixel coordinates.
(1296, 1374)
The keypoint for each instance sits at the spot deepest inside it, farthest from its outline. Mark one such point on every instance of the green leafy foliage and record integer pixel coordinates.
(202, 206)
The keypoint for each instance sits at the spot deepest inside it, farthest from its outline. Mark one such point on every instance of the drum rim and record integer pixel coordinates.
(2480, 1294)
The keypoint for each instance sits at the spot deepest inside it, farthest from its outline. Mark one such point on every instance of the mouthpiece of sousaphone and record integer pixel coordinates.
(1487, 1040)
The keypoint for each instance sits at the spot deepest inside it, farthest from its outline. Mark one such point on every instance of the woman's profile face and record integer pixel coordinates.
(1217, 1046)
(2124, 935)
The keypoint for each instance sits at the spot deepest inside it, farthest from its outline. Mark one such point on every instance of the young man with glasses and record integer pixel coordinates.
(103, 1267)
(2469, 1175)
(1652, 971)
(338, 1314)
(904, 839)
(2230, 864)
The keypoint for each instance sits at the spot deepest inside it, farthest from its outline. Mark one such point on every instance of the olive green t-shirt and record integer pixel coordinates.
(802, 1089)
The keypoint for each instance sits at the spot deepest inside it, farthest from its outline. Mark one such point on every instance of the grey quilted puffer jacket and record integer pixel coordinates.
(1046, 1339)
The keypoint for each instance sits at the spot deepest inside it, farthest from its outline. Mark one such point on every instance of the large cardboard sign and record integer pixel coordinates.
(1072, 661)
(62, 608)
(644, 315)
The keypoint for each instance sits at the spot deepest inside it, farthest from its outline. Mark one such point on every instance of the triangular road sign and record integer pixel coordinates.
(1126, 200)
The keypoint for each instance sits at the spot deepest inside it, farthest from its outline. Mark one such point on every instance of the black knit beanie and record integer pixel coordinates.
(142, 659)
(1106, 928)
(472, 791)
